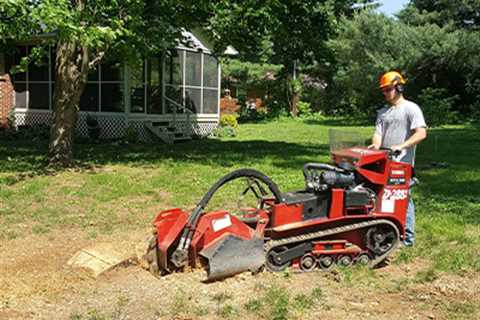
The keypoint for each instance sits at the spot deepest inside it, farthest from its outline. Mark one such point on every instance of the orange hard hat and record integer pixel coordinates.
(391, 78)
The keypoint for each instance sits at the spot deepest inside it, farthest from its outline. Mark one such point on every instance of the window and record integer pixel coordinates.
(105, 88)
(137, 87)
(154, 85)
(33, 86)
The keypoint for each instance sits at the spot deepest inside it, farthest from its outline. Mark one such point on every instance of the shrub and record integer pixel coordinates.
(131, 134)
(304, 108)
(224, 132)
(91, 121)
(11, 120)
(437, 106)
(228, 120)
(33, 132)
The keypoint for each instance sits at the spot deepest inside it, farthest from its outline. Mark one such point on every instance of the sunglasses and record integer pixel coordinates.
(388, 89)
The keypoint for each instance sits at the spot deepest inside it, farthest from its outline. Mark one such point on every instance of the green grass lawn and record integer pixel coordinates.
(123, 186)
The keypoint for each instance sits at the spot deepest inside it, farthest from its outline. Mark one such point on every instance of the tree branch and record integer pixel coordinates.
(97, 59)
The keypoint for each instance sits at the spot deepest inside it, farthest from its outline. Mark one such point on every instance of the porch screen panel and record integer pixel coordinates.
(193, 99)
(13, 59)
(137, 87)
(174, 95)
(90, 98)
(154, 87)
(38, 84)
(112, 97)
(39, 72)
(173, 68)
(112, 71)
(112, 87)
(39, 95)
(210, 101)
(193, 69)
(173, 76)
(210, 73)
(20, 95)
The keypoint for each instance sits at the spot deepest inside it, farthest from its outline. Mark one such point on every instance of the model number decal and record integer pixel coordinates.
(395, 194)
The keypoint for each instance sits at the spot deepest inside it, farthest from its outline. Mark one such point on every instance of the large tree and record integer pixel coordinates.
(291, 33)
(84, 33)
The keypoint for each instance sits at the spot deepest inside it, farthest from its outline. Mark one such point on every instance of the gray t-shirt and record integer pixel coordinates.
(395, 124)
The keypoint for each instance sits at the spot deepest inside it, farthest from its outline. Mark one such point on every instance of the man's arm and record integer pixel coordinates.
(376, 141)
(419, 135)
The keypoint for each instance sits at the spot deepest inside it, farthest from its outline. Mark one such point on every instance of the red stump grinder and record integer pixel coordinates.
(353, 211)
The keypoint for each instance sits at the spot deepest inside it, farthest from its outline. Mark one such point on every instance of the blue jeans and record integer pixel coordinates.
(410, 221)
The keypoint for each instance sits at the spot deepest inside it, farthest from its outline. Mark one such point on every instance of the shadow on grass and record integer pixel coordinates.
(25, 156)
(459, 148)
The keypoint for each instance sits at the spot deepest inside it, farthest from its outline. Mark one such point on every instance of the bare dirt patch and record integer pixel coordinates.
(36, 284)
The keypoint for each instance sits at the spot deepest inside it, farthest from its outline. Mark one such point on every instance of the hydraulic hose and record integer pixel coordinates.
(180, 255)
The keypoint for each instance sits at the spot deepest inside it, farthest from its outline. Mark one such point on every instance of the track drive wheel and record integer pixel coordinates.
(308, 262)
(344, 261)
(363, 259)
(271, 262)
(381, 239)
(326, 262)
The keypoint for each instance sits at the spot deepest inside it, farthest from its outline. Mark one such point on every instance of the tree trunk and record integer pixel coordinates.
(71, 67)
(293, 104)
(294, 96)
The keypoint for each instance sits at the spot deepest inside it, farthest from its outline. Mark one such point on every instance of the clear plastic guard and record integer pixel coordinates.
(342, 139)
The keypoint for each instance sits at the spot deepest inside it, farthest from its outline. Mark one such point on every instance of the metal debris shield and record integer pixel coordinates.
(232, 255)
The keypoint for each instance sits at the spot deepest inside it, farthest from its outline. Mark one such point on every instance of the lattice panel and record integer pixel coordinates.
(32, 118)
(204, 128)
(113, 126)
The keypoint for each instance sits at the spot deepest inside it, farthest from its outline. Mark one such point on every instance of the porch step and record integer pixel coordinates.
(167, 133)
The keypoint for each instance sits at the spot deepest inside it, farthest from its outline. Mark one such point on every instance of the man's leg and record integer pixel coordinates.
(410, 223)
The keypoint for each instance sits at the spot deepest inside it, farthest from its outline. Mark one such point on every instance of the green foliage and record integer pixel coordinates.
(249, 73)
(426, 276)
(131, 134)
(287, 33)
(437, 107)
(253, 305)
(224, 132)
(34, 132)
(429, 55)
(229, 120)
(304, 108)
(451, 13)
(228, 311)
(227, 128)
(278, 300)
(11, 121)
(91, 120)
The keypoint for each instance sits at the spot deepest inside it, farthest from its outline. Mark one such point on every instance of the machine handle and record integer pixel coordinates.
(391, 153)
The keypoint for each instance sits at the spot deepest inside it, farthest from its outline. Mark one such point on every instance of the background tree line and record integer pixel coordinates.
(435, 44)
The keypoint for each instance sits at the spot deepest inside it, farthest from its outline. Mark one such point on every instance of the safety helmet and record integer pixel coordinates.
(391, 78)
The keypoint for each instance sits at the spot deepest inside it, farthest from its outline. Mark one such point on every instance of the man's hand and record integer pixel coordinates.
(373, 146)
(397, 147)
